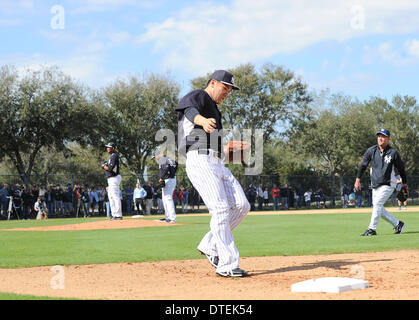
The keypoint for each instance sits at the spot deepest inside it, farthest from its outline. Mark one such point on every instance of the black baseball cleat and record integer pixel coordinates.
(399, 228)
(235, 273)
(212, 259)
(369, 232)
(115, 218)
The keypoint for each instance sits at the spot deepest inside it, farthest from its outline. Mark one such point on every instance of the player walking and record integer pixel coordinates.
(111, 168)
(199, 122)
(168, 168)
(383, 159)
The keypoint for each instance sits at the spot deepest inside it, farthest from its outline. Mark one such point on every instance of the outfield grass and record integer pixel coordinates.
(257, 235)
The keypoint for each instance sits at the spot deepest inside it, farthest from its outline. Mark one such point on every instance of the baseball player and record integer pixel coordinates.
(383, 159)
(168, 168)
(111, 168)
(199, 122)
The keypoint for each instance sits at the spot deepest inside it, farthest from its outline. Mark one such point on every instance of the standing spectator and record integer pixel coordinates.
(300, 194)
(175, 197)
(42, 193)
(266, 197)
(27, 203)
(4, 193)
(50, 200)
(260, 197)
(318, 197)
(139, 195)
(85, 198)
(185, 200)
(148, 198)
(275, 196)
(345, 195)
(59, 200)
(94, 200)
(307, 198)
(291, 197)
(195, 199)
(129, 197)
(284, 193)
(107, 204)
(101, 193)
(78, 203)
(68, 201)
(17, 204)
(251, 196)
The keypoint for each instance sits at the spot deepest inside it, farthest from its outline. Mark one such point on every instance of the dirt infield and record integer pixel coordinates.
(391, 275)
(98, 225)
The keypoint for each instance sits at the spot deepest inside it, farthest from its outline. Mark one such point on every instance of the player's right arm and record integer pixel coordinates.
(364, 164)
(208, 124)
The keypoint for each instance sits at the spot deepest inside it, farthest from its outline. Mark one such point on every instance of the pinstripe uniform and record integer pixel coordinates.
(218, 188)
(114, 181)
(168, 169)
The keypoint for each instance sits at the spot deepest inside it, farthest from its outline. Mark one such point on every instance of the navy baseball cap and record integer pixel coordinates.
(224, 77)
(110, 145)
(383, 132)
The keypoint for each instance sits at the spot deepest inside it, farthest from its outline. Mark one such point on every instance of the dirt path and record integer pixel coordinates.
(391, 275)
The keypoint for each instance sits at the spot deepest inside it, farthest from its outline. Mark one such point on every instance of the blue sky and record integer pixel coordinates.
(362, 48)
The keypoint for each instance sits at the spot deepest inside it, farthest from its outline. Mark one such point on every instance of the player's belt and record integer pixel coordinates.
(211, 153)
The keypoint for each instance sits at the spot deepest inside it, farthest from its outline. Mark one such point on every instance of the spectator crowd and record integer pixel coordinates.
(86, 201)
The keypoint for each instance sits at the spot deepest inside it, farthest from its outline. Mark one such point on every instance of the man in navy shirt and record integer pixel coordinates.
(383, 159)
(200, 137)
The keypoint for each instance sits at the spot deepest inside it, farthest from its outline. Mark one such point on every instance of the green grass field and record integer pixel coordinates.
(257, 235)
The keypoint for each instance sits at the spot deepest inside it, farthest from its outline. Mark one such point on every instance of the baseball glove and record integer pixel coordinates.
(236, 151)
(402, 195)
(161, 184)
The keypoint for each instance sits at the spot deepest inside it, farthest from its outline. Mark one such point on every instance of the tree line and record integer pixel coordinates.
(53, 124)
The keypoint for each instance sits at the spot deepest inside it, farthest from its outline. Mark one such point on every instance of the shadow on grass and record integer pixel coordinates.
(332, 264)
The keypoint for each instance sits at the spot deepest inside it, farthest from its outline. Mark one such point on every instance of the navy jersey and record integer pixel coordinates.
(190, 134)
(167, 168)
(113, 165)
(382, 166)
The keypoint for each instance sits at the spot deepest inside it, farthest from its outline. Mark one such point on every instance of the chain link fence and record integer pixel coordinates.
(326, 192)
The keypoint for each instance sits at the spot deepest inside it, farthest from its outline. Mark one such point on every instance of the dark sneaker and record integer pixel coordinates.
(399, 228)
(115, 218)
(212, 259)
(235, 273)
(369, 232)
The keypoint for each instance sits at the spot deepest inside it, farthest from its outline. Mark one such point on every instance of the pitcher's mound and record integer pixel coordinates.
(98, 225)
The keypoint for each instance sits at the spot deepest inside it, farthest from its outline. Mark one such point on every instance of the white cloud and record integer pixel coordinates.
(412, 47)
(396, 55)
(207, 35)
(92, 6)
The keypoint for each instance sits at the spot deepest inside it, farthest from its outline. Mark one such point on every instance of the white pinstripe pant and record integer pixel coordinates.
(226, 202)
(167, 197)
(379, 197)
